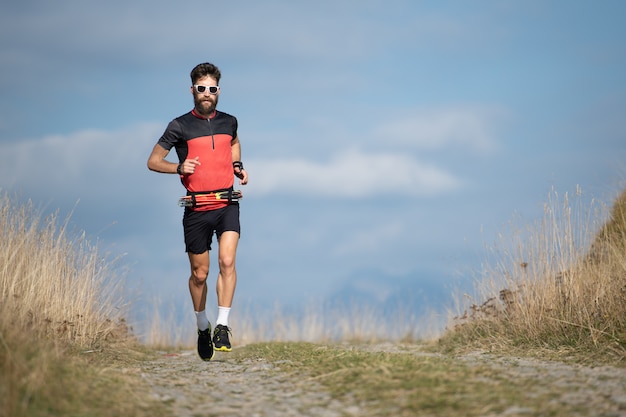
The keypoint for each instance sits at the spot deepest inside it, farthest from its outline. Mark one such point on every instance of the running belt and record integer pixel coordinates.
(206, 198)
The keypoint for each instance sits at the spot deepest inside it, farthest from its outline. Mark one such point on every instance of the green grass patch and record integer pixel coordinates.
(411, 383)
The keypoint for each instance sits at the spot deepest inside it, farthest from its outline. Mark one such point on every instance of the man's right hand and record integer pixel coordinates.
(189, 165)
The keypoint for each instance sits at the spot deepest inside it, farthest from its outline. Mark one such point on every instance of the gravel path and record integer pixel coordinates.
(601, 389)
(256, 388)
(228, 388)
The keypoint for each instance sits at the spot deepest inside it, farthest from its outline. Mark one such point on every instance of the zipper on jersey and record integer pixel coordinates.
(212, 136)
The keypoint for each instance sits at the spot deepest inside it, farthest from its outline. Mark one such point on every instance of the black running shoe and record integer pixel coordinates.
(220, 338)
(205, 346)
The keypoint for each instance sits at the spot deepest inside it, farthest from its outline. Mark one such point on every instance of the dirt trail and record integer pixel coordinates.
(257, 388)
(225, 387)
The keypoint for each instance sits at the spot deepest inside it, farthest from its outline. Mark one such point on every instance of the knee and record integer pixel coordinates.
(199, 275)
(227, 263)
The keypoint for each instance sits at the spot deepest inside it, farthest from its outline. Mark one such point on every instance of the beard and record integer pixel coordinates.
(205, 106)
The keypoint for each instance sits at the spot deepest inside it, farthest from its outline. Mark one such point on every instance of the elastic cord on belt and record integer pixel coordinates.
(199, 198)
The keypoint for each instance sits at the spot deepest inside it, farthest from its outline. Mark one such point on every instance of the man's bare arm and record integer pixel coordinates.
(158, 163)
(240, 173)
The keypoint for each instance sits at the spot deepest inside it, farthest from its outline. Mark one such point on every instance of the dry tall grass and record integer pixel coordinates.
(52, 284)
(317, 322)
(57, 295)
(559, 285)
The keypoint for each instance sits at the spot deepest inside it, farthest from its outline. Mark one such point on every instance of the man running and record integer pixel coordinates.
(209, 157)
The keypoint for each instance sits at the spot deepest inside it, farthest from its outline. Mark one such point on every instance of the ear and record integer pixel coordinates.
(191, 90)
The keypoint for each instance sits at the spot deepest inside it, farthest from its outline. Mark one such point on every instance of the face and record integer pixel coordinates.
(205, 102)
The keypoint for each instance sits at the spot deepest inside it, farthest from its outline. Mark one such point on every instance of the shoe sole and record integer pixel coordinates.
(222, 349)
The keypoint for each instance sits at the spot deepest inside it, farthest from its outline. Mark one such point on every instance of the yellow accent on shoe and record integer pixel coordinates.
(223, 349)
(221, 340)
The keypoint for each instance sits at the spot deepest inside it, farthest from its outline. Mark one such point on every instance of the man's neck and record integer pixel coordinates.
(203, 116)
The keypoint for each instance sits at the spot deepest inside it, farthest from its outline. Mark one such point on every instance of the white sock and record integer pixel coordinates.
(222, 316)
(202, 320)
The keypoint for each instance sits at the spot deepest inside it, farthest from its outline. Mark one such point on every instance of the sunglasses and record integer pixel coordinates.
(213, 89)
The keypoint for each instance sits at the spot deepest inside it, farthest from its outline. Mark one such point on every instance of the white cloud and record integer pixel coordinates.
(95, 164)
(91, 163)
(471, 127)
(350, 174)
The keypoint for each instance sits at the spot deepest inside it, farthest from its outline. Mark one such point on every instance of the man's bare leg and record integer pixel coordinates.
(197, 288)
(197, 281)
(227, 277)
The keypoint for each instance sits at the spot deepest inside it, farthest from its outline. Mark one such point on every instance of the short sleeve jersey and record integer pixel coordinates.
(210, 141)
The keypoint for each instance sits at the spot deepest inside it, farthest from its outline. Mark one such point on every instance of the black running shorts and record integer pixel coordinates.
(199, 226)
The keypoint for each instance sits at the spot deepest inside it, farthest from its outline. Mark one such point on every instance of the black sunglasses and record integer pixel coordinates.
(213, 89)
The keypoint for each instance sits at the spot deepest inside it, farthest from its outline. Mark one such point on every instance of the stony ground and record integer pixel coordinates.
(256, 388)
(224, 387)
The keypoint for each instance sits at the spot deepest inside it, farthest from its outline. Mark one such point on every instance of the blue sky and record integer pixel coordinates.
(386, 142)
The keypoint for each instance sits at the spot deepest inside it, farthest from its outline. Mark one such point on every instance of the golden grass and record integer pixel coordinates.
(61, 310)
(559, 287)
(315, 322)
(332, 322)
(52, 284)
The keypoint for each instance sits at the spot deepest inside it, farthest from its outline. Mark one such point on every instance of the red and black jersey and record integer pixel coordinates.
(208, 139)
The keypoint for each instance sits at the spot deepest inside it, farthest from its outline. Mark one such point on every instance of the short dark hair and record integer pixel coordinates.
(202, 70)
